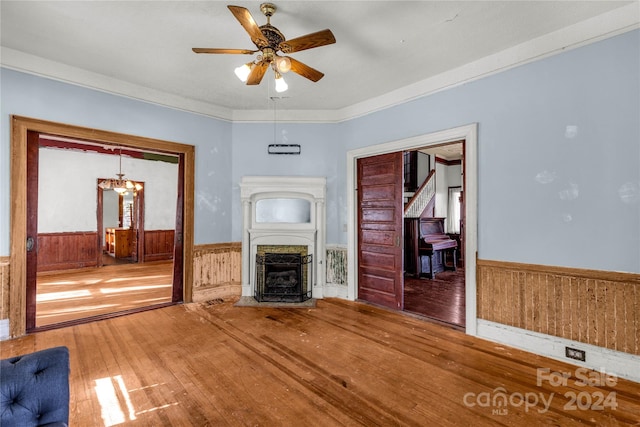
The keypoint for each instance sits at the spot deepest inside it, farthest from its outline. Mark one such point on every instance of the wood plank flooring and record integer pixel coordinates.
(339, 364)
(76, 294)
(441, 298)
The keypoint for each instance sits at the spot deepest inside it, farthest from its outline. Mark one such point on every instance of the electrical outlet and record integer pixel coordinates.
(574, 353)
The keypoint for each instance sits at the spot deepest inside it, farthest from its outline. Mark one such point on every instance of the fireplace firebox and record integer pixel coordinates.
(283, 277)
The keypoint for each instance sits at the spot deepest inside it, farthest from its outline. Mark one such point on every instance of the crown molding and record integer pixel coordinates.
(31, 64)
(607, 25)
(615, 22)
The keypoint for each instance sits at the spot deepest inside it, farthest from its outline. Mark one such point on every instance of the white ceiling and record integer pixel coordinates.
(143, 48)
(450, 151)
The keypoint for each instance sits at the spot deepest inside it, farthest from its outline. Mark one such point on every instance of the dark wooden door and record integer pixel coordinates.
(380, 214)
(178, 250)
(32, 228)
(137, 225)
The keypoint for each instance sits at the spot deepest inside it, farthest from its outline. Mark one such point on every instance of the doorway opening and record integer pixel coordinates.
(120, 224)
(25, 232)
(434, 269)
(468, 245)
(71, 285)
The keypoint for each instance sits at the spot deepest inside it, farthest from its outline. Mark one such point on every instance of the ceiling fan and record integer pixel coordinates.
(269, 41)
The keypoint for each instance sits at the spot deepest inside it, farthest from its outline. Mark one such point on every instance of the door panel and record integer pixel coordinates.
(372, 258)
(378, 284)
(380, 213)
(137, 245)
(32, 228)
(178, 250)
(377, 192)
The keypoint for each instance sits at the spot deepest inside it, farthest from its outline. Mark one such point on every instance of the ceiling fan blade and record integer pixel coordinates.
(257, 72)
(249, 24)
(215, 50)
(320, 38)
(305, 71)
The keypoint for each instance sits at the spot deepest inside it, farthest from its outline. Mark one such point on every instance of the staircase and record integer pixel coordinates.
(416, 205)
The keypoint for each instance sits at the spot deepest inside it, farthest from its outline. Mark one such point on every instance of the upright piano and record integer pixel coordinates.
(426, 240)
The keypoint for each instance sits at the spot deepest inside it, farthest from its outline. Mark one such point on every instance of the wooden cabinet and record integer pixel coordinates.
(118, 242)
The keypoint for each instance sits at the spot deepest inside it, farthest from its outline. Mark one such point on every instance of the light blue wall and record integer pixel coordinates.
(36, 97)
(544, 197)
(322, 154)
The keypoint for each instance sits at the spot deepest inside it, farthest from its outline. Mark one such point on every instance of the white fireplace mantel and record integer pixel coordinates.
(309, 232)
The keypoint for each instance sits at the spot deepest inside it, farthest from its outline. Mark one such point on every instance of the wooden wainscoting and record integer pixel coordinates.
(217, 271)
(158, 244)
(595, 307)
(5, 263)
(68, 250)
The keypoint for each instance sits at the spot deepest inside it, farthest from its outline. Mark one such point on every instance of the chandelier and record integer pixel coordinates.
(119, 184)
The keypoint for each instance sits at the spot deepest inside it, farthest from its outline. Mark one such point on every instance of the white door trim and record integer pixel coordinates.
(470, 134)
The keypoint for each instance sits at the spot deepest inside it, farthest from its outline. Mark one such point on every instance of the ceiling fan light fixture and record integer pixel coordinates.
(283, 64)
(281, 85)
(269, 41)
(242, 72)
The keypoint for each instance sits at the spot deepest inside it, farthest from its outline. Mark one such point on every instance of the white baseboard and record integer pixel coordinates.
(335, 291)
(622, 365)
(4, 329)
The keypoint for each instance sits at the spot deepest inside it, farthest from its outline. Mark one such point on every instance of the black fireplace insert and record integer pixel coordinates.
(283, 277)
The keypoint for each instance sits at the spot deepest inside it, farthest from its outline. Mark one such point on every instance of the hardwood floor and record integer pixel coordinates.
(77, 294)
(339, 364)
(441, 298)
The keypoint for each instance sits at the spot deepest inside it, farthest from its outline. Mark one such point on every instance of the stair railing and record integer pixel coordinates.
(420, 200)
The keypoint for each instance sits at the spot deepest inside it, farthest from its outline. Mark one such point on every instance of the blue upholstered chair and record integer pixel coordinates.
(34, 389)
